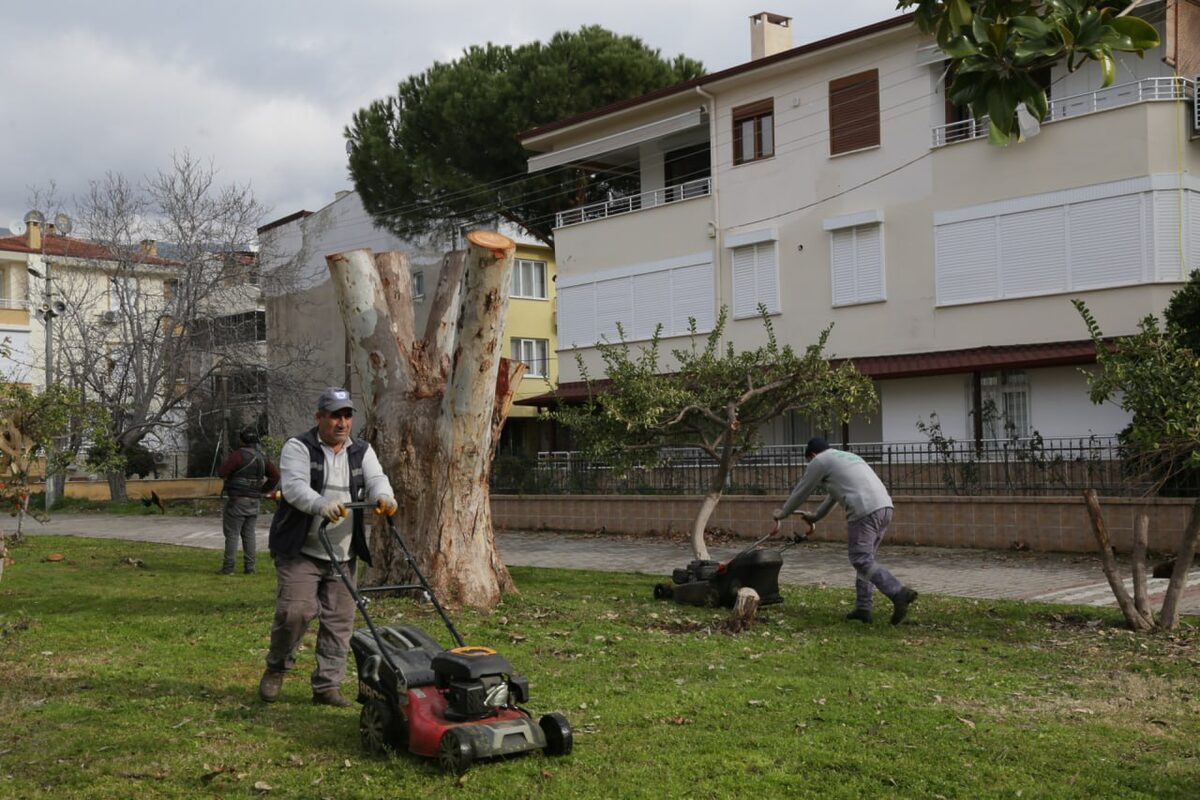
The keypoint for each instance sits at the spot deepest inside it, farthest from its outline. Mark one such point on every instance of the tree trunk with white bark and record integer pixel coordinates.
(433, 410)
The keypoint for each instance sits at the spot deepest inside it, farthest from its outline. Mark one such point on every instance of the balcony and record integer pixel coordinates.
(1147, 90)
(702, 187)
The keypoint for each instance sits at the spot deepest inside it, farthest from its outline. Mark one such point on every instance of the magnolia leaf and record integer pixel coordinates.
(960, 13)
(1141, 35)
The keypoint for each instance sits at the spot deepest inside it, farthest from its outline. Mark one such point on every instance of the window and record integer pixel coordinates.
(534, 354)
(1005, 410)
(1123, 233)
(639, 297)
(854, 112)
(685, 171)
(529, 279)
(123, 293)
(754, 131)
(170, 290)
(250, 326)
(755, 279)
(856, 263)
(418, 285)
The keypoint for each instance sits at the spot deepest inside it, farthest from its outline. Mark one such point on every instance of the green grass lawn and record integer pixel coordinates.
(121, 680)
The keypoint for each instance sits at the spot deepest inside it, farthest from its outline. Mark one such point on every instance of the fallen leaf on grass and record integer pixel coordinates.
(55, 557)
(262, 786)
(547, 775)
(967, 722)
(680, 720)
(517, 637)
(295, 760)
(212, 773)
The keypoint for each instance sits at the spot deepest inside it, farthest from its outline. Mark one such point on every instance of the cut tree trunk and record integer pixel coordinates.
(745, 606)
(433, 410)
(1109, 564)
(1141, 541)
(1168, 617)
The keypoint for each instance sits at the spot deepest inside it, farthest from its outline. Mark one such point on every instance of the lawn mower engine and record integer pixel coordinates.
(714, 583)
(458, 705)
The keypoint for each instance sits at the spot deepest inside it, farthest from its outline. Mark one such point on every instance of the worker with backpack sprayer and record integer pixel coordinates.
(249, 476)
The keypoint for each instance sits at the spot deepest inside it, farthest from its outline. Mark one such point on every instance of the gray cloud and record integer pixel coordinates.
(265, 88)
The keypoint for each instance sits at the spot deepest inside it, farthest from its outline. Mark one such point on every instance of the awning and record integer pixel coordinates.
(618, 141)
(910, 365)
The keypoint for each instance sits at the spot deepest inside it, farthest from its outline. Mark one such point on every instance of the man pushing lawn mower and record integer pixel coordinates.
(850, 481)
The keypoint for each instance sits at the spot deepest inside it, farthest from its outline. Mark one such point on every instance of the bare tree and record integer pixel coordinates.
(435, 405)
(147, 326)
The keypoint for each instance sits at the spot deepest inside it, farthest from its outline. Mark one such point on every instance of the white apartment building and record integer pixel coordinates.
(832, 183)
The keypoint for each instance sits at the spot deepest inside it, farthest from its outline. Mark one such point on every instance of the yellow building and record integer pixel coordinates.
(529, 336)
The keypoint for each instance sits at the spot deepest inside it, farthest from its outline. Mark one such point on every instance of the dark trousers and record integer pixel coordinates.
(237, 522)
(308, 588)
(866, 535)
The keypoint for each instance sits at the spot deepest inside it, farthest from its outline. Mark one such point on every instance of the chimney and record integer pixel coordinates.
(149, 247)
(769, 34)
(33, 232)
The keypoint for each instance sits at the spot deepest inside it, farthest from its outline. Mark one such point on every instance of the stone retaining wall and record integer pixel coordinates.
(1044, 524)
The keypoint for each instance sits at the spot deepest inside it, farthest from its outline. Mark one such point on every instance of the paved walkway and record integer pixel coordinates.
(1075, 579)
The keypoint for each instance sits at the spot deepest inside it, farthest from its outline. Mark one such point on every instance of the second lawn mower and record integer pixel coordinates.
(458, 705)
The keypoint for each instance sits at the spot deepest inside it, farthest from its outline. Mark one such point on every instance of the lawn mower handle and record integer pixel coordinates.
(408, 557)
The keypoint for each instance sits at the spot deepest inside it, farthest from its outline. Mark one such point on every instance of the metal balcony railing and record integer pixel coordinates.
(701, 187)
(1147, 90)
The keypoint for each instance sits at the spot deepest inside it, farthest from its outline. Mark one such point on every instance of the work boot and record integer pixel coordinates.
(330, 697)
(224, 571)
(269, 686)
(900, 603)
(860, 614)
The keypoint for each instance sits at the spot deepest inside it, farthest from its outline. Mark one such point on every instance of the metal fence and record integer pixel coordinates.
(1031, 466)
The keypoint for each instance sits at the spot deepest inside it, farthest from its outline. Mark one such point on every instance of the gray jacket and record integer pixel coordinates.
(846, 479)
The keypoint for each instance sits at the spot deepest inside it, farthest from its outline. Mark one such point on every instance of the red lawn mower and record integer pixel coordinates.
(458, 705)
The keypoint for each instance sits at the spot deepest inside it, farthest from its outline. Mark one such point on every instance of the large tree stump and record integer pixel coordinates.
(433, 410)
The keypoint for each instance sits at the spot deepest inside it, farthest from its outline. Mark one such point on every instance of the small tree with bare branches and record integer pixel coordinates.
(1156, 378)
(716, 399)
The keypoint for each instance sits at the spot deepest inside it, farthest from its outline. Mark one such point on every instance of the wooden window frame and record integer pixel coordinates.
(756, 112)
(854, 113)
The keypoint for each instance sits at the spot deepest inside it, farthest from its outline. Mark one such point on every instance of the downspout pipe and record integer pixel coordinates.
(716, 196)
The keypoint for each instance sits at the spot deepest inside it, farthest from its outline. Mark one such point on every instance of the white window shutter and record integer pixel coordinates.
(868, 251)
(1107, 247)
(691, 296)
(966, 254)
(841, 259)
(766, 277)
(651, 304)
(1033, 252)
(1166, 257)
(614, 304)
(576, 316)
(745, 273)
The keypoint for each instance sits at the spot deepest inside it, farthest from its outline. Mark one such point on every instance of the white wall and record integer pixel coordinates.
(1059, 406)
(906, 401)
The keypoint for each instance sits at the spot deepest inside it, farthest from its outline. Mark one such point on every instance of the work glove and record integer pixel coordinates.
(275, 495)
(386, 506)
(778, 514)
(332, 511)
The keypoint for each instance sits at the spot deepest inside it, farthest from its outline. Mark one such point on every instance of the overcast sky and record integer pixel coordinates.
(264, 88)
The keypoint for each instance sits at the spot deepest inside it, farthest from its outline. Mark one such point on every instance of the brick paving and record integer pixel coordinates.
(1075, 579)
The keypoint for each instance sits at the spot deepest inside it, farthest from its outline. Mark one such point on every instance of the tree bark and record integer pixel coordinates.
(433, 409)
(116, 485)
(1109, 564)
(1168, 617)
(1141, 541)
(700, 524)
